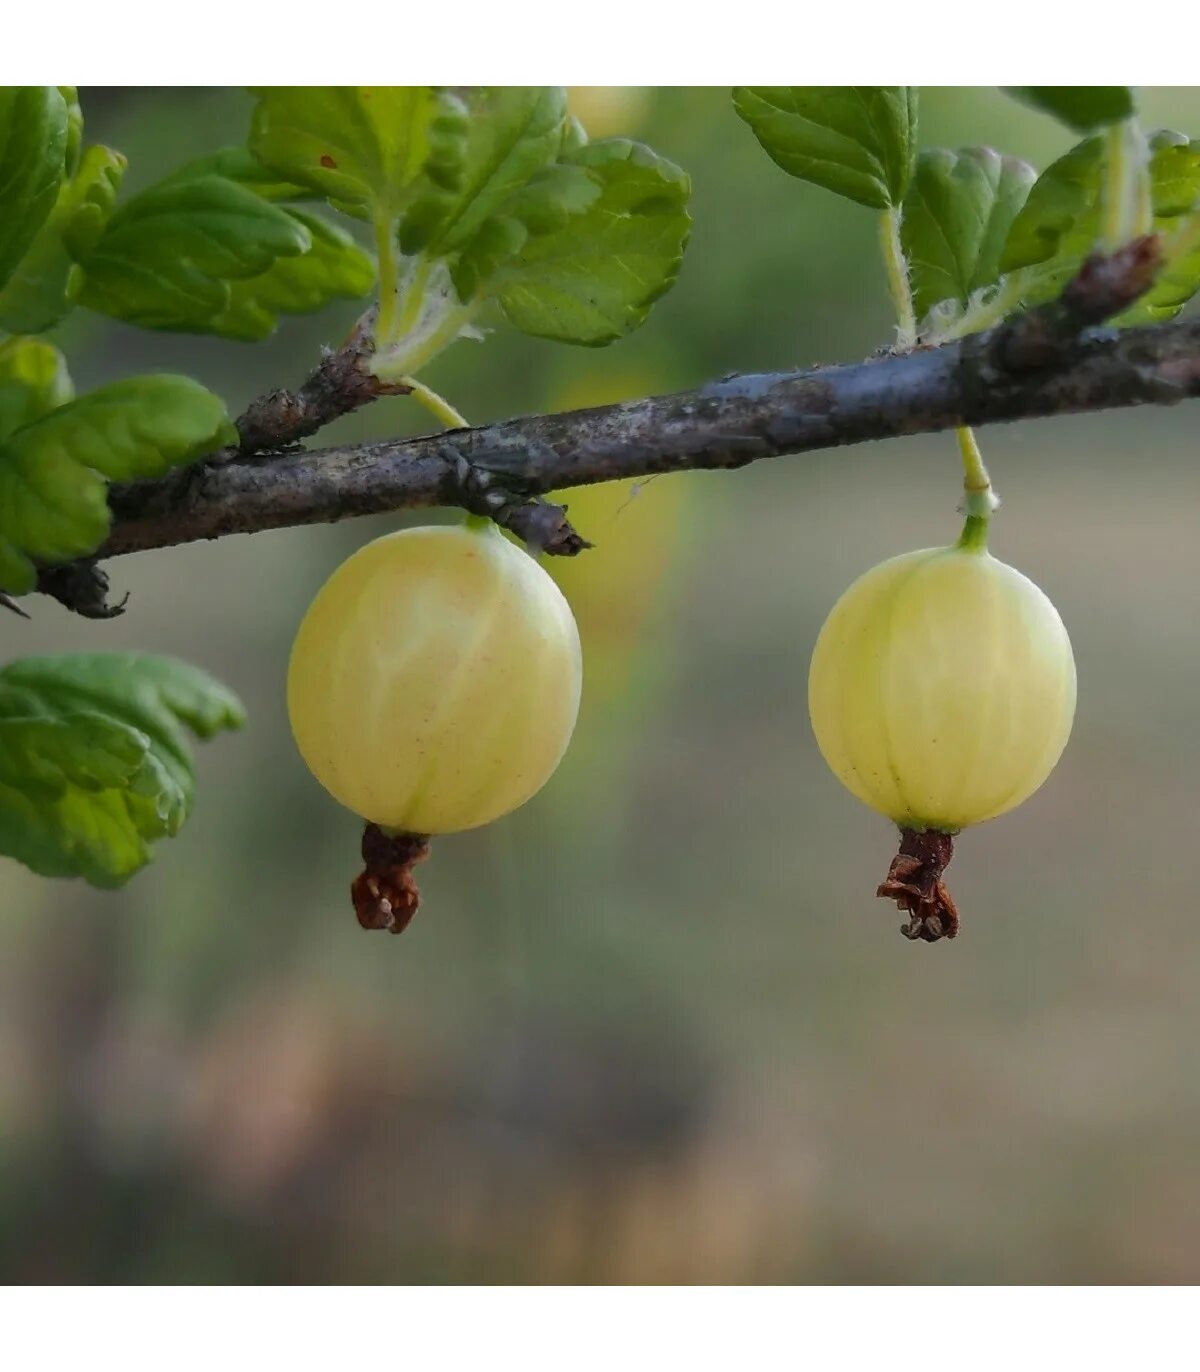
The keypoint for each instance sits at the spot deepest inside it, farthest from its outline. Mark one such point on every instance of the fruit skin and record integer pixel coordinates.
(435, 680)
(942, 688)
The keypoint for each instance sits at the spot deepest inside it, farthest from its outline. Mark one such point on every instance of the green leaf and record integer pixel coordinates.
(334, 266)
(1082, 108)
(957, 215)
(53, 471)
(1175, 191)
(74, 146)
(859, 141)
(1174, 173)
(551, 197)
(594, 277)
(505, 135)
(1060, 222)
(363, 147)
(95, 764)
(574, 136)
(236, 164)
(498, 241)
(167, 257)
(41, 290)
(33, 381)
(34, 130)
(1177, 282)
(1060, 217)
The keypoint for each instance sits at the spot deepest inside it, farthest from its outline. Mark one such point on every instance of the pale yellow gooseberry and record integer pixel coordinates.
(435, 680)
(942, 688)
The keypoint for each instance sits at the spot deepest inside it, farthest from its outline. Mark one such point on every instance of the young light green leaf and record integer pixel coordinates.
(34, 126)
(552, 196)
(593, 278)
(33, 381)
(498, 241)
(1177, 282)
(95, 764)
(574, 136)
(335, 266)
(74, 148)
(41, 290)
(1175, 191)
(957, 215)
(53, 471)
(1060, 221)
(237, 164)
(1174, 173)
(363, 147)
(507, 133)
(1060, 217)
(1082, 108)
(166, 258)
(543, 205)
(859, 141)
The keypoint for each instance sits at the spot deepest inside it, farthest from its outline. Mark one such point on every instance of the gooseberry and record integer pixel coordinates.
(433, 687)
(941, 692)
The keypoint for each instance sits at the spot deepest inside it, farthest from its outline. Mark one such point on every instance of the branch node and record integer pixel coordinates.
(1106, 285)
(339, 384)
(538, 523)
(544, 527)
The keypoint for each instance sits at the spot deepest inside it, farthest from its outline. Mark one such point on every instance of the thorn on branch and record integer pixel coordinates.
(1106, 285)
(81, 587)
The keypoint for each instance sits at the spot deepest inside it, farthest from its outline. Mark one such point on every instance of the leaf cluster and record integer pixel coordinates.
(439, 200)
(495, 194)
(983, 234)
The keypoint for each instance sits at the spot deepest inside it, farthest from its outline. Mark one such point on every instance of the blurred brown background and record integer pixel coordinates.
(654, 1027)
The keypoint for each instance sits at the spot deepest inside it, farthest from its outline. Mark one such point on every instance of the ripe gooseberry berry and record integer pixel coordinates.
(432, 687)
(941, 693)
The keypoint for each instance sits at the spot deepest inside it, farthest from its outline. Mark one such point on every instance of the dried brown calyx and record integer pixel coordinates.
(385, 892)
(914, 882)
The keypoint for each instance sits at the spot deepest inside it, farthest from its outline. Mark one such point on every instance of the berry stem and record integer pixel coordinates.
(437, 405)
(450, 417)
(980, 499)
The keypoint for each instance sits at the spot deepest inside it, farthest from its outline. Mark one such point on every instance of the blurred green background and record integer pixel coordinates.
(653, 1027)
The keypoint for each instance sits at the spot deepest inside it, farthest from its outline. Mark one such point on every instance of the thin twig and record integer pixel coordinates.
(726, 424)
(1047, 362)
